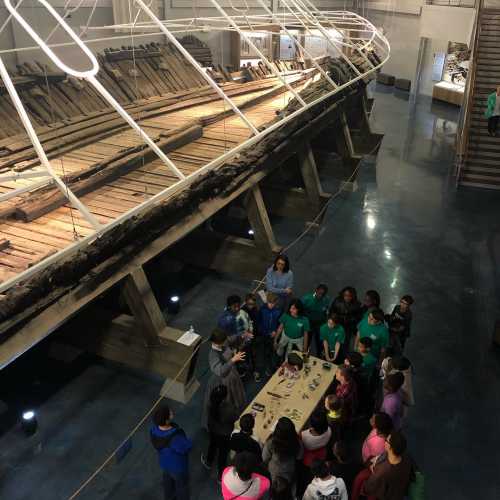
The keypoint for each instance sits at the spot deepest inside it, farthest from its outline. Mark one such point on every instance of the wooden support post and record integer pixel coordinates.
(348, 145)
(363, 140)
(307, 165)
(142, 302)
(259, 220)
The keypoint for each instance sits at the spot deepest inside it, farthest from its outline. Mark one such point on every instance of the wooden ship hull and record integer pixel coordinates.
(52, 263)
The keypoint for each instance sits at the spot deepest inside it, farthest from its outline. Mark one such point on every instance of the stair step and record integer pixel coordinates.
(478, 185)
(485, 79)
(487, 180)
(474, 160)
(480, 170)
(488, 50)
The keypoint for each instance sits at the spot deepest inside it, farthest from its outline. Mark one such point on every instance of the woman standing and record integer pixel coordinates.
(279, 280)
(282, 451)
(493, 112)
(293, 331)
(222, 361)
(348, 308)
(221, 418)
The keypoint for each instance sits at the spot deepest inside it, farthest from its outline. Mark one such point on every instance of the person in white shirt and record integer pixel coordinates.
(325, 486)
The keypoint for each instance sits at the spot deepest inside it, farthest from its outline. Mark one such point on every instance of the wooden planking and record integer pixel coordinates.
(55, 230)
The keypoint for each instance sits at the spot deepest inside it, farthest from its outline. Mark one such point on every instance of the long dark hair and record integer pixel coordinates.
(217, 396)
(281, 489)
(285, 440)
(284, 258)
(350, 289)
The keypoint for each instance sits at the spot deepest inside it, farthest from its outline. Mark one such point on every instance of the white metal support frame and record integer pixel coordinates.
(317, 25)
(66, 191)
(298, 17)
(298, 44)
(88, 75)
(319, 14)
(193, 61)
(254, 47)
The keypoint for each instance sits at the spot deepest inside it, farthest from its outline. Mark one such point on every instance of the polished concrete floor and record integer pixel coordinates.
(406, 230)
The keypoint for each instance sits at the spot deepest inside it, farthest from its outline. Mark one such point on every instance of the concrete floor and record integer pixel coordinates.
(406, 230)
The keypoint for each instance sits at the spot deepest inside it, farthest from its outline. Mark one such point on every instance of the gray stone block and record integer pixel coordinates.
(386, 79)
(403, 84)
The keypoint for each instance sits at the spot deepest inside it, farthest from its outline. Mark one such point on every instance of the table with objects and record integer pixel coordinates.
(293, 396)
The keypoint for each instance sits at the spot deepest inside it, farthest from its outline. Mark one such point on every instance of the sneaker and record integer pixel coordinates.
(204, 462)
(256, 376)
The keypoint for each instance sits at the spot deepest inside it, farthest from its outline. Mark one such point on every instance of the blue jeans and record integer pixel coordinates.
(175, 486)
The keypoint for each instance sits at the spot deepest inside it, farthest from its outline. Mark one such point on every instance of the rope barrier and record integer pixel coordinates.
(262, 281)
(137, 426)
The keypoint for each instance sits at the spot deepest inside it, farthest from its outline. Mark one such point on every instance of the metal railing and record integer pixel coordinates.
(462, 141)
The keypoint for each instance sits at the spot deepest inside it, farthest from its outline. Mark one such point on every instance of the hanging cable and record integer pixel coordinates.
(76, 235)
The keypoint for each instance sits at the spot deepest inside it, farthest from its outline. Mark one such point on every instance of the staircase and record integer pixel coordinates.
(481, 167)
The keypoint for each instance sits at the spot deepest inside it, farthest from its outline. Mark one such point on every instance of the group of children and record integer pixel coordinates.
(372, 384)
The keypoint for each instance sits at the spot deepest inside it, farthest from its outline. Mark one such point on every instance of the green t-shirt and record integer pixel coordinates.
(369, 364)
(332, 335)
(294, 328)
(378, 333)
(316, 309)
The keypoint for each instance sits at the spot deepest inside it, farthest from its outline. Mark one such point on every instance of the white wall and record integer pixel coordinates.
(445, 23)
(403, 33)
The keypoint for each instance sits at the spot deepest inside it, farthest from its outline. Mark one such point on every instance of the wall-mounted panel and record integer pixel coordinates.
(400, 6)
(238, 4)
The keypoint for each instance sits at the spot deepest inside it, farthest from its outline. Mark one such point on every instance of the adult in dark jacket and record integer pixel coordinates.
(221, 418)
(222, 361)
(348, 308)
(173, 449)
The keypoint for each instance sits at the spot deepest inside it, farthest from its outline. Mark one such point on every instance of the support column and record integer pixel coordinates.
(347, 144)
(362, 139)
(144, 306)
(259, 220)
(307, 165)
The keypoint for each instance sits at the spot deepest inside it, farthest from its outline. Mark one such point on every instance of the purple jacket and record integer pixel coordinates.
(393, 406)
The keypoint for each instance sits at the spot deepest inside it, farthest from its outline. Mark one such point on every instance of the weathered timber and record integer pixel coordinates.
(77, 135)
(125, 240)
(103, 173)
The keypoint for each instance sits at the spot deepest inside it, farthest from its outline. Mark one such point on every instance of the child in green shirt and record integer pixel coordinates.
(369, 360)
(332, 336)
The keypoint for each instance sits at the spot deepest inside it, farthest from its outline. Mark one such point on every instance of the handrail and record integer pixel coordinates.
(464, 119)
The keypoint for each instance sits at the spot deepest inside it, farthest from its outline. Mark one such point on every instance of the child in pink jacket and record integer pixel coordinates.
(240, 481)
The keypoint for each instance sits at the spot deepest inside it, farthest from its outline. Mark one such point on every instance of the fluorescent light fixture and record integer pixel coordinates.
(29, 415)
(174, 298)
(251, 232)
